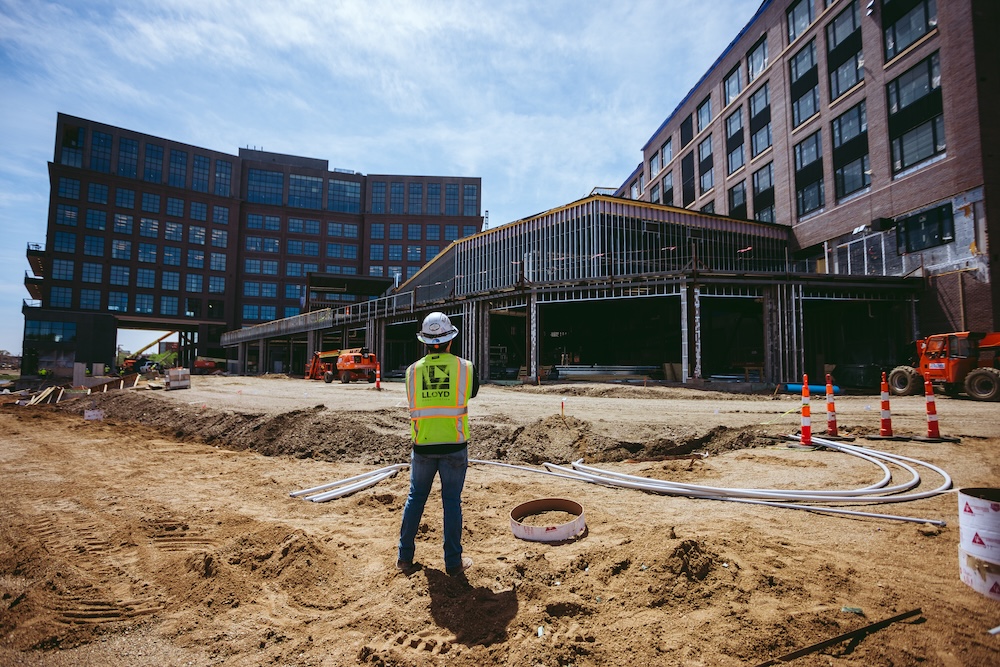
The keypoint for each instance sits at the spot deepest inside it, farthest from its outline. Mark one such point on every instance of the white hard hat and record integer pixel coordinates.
(437, 329)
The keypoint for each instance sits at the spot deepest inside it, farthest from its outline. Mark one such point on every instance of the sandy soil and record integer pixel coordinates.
(164, 534)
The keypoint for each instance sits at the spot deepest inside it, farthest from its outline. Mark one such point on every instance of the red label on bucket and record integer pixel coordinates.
(978, 540)
(968, 510)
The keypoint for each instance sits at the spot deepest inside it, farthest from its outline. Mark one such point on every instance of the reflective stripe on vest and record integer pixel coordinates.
(438, 388)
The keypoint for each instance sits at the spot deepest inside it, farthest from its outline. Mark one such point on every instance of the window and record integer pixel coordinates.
(804, 86)
(121, 249)
(433, 199)
(433, 232)
(413, 232)
(269, 290)
(58, 332)
(687, 179)
(809, 174)
(431, 252)
(150, 202)
(847, 75)
(251, 312)
(269, 267)
(61, 297)
(763, 193)
(171, 255)
(97, 193)
(376, 252)
(265, 187)
(194, 282)
(199, 174)
(199, 211)
(738, 200)
(93, 246)
(118, 301)
(377, 230)
(395, 232)
(220, 238)
(925, 230)
(90, 299)
(395, 252)
(123, 223)
(396, 198)
(654, 193)
(69, 188)
(124, 198)
(667, 152)
(735, 154)
(97, 220)
(343, 196)
(196, 259)
(451, 199)
(196, 235)
(654, 166)
(704, 114)
(67, 215)
(128, 157)
(168, 305)
(761, 140)
(149, 227)
(415, 200)
(251, 288)
(216, 285)
(62, 269)
(119, 275)
(72, 146)
(223, 177)
(170, 280)
(708, 208)
(100, 152)
(175, 207)
(916, 131)
(147, 252)
(305, 191)
(668, 189)
(173, 231)
(799, 15)
(733, 85)
(177, 173)
(217, 261)
(757, 59)
(145, 278)
(760, 102)
(450, 232)
(153, 169)
(220, 215)
(413, 253)
(707, 180)
(905, 26)
(851, 170)
(144, 303)
(378, 197)
(64, 242)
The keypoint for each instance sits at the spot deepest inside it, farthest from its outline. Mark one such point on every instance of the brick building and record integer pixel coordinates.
(149, 233)
(864, 126)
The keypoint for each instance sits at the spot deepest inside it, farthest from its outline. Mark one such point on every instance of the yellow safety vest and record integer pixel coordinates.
(439, 387)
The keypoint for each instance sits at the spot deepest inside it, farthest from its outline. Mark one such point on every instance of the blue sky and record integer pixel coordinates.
(543, 100)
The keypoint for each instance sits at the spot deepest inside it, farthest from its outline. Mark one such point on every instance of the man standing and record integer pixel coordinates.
(438, 388)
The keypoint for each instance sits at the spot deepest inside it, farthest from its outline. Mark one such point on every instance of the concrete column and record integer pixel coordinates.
(241, 358)
(534, 352)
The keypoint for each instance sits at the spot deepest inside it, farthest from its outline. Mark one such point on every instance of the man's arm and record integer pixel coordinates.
(475, 381)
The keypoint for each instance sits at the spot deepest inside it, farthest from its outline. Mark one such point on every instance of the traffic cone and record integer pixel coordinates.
(933, 431)
(806, 438)
(831, 410)
(885, 425)
(378, 377)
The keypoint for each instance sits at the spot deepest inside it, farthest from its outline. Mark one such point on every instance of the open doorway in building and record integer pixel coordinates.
(732, 337)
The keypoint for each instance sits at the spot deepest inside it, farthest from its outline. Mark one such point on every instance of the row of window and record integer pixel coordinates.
(377, 231)
(125, 276)
(97, 246)
(122, 223)
(141, 303)
(181, 172)
(306, 192)
(98, 193)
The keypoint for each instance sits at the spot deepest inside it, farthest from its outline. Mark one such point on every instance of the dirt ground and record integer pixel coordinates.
(164, 534)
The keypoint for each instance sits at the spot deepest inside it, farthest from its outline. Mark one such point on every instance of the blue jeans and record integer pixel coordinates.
(423, 467)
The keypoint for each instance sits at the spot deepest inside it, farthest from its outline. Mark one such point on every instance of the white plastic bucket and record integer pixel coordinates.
(555, 533)
(979, 540)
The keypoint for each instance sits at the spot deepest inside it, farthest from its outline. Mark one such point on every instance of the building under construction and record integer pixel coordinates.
(616, 287)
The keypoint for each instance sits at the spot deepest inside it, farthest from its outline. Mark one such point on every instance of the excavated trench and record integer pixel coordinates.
(381, 436)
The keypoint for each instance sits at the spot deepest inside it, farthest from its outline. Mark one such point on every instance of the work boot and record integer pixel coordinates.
(455, 571)
(404, 566)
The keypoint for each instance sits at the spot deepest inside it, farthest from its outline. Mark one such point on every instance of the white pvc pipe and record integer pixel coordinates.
(347, 490)
(341, 482)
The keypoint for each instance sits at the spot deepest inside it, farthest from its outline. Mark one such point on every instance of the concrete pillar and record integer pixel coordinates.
(534, 351)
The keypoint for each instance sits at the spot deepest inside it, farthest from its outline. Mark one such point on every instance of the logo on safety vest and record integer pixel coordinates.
(436, 379)
(978, 540)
